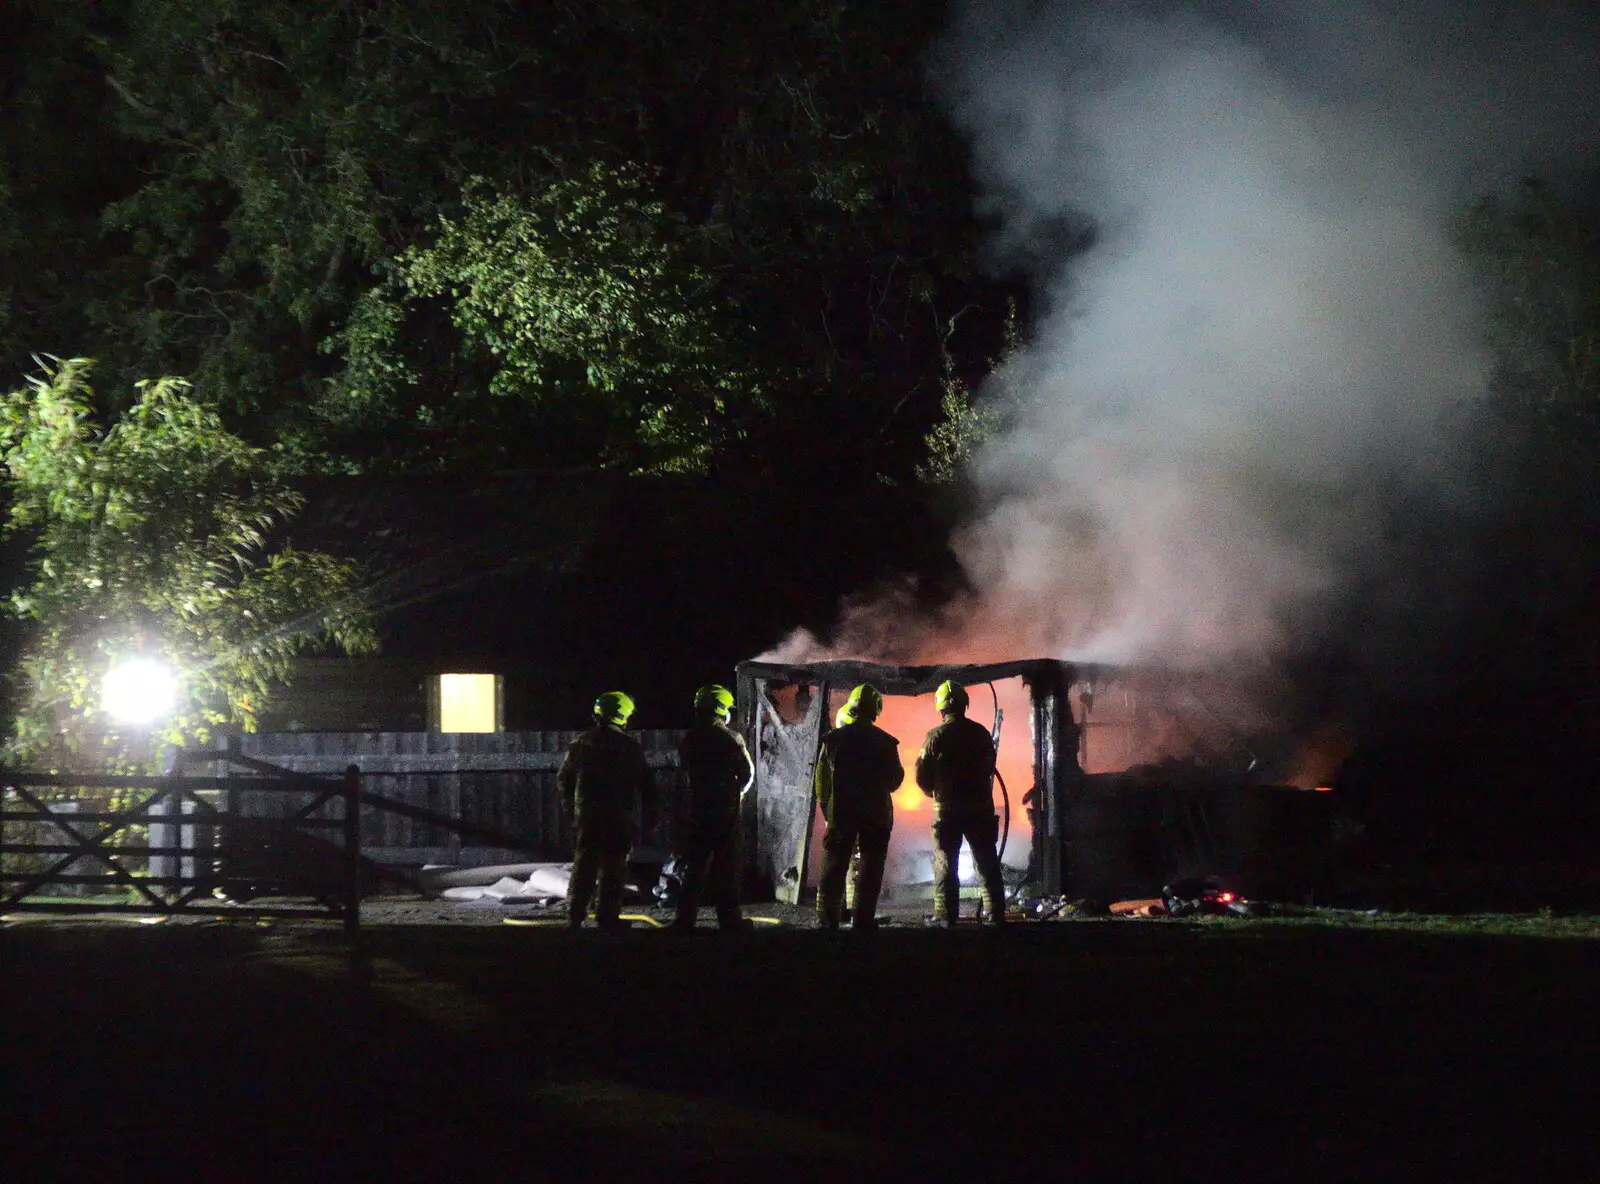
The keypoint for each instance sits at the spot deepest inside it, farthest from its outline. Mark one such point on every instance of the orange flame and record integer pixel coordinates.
(910, 719)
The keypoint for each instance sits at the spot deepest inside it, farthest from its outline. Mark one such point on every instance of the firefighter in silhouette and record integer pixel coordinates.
(956, 769)
(857, 769)
(717, 770)
(603, 779)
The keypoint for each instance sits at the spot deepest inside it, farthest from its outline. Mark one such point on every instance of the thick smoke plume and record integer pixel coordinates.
(1236, 425)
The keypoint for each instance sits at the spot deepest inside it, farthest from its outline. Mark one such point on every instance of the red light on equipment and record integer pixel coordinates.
(1224, 897)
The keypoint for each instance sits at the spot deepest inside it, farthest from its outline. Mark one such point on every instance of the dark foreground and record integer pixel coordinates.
(1092, 1050)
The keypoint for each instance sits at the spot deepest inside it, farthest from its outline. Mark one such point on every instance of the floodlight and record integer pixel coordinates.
(139, 691)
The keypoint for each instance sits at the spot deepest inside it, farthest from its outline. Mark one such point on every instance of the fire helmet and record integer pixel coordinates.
(613, 707)
(845, 715)
(864, 704)
(950, 697)
(714, 700)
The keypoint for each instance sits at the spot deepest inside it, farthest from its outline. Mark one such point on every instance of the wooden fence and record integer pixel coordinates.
(449, 798)
(254, 819)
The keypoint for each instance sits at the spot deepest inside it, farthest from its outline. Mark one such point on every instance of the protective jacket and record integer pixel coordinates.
(956, 768)
(717, 767)
(857, 770)
(605, 775)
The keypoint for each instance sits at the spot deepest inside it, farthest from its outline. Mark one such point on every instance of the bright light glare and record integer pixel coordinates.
(139, 691)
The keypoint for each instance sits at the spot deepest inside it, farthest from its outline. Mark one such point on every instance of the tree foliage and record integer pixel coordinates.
(150, 534)
(969, 420)
(587, 292)
(768, 194)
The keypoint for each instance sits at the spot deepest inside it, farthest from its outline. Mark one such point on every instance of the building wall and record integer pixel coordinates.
(349, 694)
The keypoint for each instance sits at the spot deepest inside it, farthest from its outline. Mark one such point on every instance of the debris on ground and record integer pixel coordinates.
(542, 885)
(1154, 907)
(1207, 897)
(669, 886)
(433, 879)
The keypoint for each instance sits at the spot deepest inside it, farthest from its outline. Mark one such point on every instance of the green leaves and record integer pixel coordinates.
(151, 535)
(587, 269)
(718, 234)
(588, 292)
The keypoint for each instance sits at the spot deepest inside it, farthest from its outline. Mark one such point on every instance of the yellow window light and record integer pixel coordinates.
(469, 703)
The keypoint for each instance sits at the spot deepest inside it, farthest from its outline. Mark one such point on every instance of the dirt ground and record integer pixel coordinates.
(446, 1045)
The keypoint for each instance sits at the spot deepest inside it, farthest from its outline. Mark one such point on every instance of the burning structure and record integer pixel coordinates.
(1123, 779)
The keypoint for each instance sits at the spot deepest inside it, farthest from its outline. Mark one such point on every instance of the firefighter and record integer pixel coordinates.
(603, 778)
(717, 769)
(956, 769)
(857, 769)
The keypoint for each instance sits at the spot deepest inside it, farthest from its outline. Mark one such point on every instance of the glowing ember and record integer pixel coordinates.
(1321, 753)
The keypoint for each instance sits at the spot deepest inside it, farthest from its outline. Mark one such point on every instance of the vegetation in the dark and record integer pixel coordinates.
(724, 246)
(425, 234)
(150, 537)
(724, 253)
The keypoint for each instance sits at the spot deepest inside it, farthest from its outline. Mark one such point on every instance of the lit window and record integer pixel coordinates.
(469, 703)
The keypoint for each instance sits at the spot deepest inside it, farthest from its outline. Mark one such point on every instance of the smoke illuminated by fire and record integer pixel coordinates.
(1257, 328)
(1233, 428)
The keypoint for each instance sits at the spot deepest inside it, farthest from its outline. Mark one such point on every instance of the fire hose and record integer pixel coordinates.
(1005, 794)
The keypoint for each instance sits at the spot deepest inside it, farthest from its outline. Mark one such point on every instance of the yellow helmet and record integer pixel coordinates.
(613, 707)
(714, 700)
(950, 697)
(864, 704)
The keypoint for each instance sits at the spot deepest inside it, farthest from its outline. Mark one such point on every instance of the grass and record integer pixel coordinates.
(1545, 923)
(1326, 1045)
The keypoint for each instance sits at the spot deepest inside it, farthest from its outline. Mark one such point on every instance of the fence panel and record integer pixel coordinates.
(308, 847)
(465, 798)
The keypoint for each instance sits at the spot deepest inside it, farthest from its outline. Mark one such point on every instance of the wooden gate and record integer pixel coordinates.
(178, 841)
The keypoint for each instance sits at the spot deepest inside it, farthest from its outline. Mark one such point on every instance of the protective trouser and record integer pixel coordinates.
(712, 865)
(840, 841)
(602, 853)
(982, 832)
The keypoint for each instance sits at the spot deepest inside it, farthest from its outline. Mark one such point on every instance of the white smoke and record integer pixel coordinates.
(1256, 364)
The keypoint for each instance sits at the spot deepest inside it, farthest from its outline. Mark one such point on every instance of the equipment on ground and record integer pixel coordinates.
(1199, 895)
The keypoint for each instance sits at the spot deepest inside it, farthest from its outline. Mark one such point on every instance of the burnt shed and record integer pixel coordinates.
(1139, 777)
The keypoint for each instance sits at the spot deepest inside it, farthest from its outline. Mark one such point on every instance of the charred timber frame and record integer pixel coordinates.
(1056, 771)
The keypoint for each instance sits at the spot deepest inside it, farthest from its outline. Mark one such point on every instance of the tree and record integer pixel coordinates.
(587, 293)
(151, 535)
(969, 422)
(297, 163)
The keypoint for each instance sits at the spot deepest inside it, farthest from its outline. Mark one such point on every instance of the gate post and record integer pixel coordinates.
(352, 849)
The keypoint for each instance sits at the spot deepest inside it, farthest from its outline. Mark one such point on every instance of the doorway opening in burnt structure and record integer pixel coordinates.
(1112, 781)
